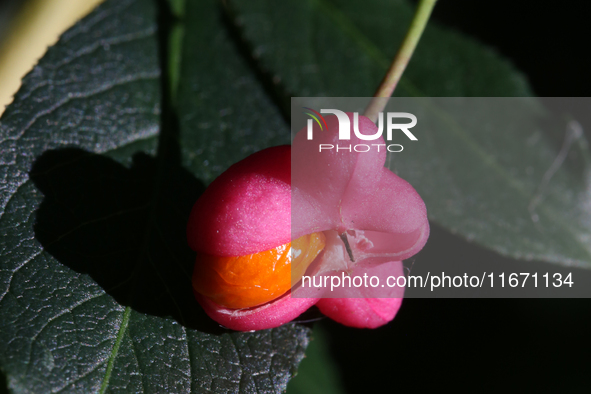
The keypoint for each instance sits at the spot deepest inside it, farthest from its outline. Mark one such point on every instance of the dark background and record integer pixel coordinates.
(488, 345)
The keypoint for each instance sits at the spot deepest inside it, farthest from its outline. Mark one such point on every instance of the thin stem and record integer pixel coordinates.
(401, 59)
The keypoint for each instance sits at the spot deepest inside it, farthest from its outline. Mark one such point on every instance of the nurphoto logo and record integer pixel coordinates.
(345, 130)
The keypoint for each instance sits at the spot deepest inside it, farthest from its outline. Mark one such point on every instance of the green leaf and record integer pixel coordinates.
(225, 112)
(318, 373)
(95, 290)
(487, 184)
(342, 48)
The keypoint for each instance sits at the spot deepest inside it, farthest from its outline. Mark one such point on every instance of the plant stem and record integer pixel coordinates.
(401, 59)
(36, 27)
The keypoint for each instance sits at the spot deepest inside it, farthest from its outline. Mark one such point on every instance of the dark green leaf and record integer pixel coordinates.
(95, 291)
(484, 183)
(224, 111)
(342, 48)
(318, 373)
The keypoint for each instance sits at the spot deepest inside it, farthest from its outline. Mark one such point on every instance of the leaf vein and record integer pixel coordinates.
(111, 362)
(82, 95)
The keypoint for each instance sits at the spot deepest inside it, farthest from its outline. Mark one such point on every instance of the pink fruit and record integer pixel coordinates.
(283, 193)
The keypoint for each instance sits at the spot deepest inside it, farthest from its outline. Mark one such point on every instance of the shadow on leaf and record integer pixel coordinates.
(125, 227)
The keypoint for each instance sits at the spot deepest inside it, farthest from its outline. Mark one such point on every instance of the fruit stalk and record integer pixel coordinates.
(401, 59)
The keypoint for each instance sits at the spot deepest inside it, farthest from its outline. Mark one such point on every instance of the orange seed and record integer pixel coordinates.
(255, 279)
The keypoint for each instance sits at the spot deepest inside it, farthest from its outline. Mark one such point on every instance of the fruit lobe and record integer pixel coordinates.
(247, 209)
